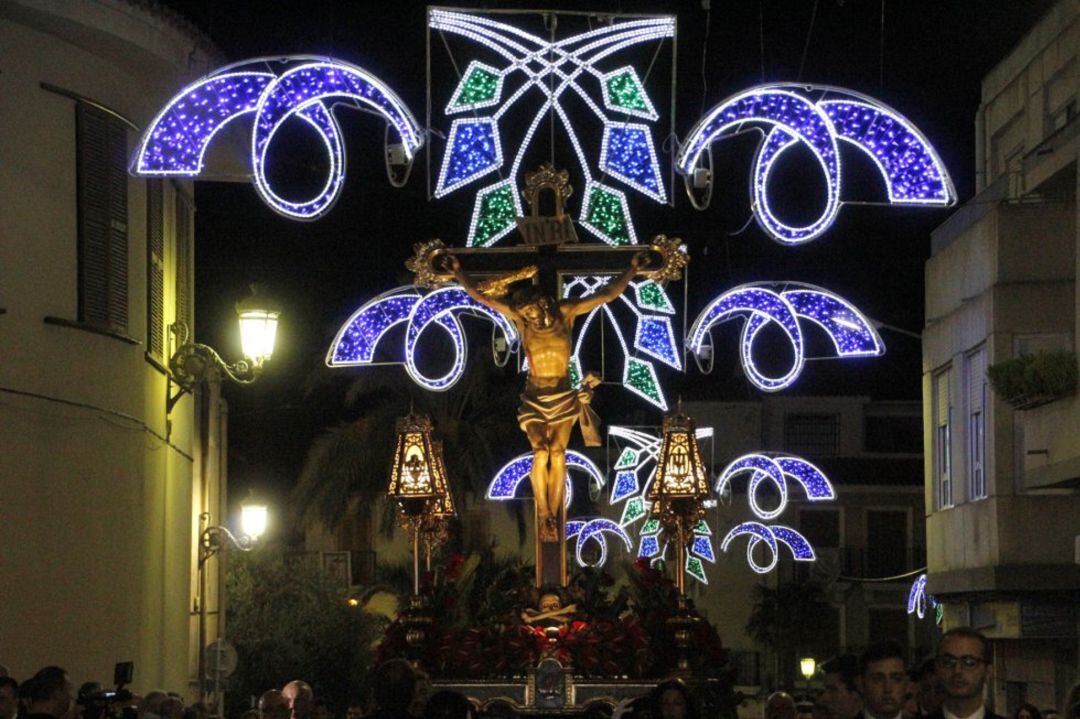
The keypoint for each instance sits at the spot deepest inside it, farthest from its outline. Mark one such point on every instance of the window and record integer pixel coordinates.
(821, 527)
(812, 435)
(976, 424)
(155, 269)
(894, 434)
(943, 438)
(1063, 116)
(101, 171)
(185, 237)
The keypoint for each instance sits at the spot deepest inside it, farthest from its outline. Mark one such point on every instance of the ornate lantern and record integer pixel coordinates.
(438, 509)
(414, 477)
(680, 485)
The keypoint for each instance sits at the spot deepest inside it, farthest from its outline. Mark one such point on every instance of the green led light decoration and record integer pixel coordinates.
(696, 569)
(494, 215)
(651, 296)
(651, 527)
(607, 215)
(640, 377)
(627, 459)
(574, 370)
(633, 511)
(480, 86)
(626, 92)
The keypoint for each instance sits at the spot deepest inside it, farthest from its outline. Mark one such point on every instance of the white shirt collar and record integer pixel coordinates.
(979, 713)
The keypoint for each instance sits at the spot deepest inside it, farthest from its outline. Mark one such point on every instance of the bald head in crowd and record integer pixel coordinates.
(780, 705)
(300, 698)
(273, 705)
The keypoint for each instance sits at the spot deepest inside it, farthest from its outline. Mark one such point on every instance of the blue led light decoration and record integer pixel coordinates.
(653, 339)
(918, 598)
(785, 304)
(546, 69)
(356, 341)
(176, 141)
(819, 117)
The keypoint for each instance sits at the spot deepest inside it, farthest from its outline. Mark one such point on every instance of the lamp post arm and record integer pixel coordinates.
(193, 362)
(214, 538)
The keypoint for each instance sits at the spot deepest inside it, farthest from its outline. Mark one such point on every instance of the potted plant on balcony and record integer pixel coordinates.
(1028, 381)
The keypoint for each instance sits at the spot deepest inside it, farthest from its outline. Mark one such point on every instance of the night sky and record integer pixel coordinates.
(935, 54)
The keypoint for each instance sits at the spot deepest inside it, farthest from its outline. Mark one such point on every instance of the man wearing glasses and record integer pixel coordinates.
(962, 667)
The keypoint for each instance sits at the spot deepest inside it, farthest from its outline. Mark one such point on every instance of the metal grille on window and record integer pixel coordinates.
(101, 168)
(185, 226)
(155, 268)
(812, 435)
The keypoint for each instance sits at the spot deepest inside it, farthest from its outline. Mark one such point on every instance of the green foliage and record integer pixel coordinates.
(788, 619)
(289, 621)
(1041, 375)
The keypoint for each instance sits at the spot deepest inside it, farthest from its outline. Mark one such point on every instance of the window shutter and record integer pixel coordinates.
(102, 218)
(184, 241)
(976, 381)
(941, 399)
(155, 268)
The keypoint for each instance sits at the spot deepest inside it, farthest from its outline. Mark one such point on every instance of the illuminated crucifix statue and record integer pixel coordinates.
(528, 297)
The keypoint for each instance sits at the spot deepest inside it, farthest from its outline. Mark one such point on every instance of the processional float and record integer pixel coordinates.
(548, 295)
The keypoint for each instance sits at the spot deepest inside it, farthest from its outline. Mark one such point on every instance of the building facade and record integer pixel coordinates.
(1002, 470)
(102, 487)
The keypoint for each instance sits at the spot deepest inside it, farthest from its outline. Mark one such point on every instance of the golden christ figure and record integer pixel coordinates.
(549, 405)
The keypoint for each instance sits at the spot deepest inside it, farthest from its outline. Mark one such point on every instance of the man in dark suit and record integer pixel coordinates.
(841, 698)
(963, 663)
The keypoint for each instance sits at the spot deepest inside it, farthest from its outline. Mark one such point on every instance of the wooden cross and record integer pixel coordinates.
(551, 247)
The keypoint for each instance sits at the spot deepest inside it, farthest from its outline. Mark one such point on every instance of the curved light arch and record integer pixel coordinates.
(504, 485)
(772, 536)
(176, 140)
(595, 529)
(431, 308)
(786, 304)
(798, 117)
(777, 468)
(910, 167)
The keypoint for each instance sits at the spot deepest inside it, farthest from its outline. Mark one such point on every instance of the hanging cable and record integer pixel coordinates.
(806, 46)
(704, 59)
(881, 64)
(761, 36)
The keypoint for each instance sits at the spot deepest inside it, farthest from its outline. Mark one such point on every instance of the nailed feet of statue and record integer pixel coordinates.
(549, 529)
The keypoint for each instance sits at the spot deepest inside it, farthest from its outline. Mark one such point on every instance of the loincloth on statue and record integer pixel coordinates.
(552, 406)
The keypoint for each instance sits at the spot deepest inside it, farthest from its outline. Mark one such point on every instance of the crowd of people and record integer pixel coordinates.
(877, 685)
(952, 684)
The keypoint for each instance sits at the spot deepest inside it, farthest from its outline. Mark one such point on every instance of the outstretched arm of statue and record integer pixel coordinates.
(584, 305)
(451, 263)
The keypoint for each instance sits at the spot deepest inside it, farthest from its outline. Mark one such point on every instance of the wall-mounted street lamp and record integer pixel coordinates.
(194, 363)
(808, 668)
(212, 540)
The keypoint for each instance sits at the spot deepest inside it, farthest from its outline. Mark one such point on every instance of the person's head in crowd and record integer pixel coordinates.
(928, 689)
(446, 704)
(779, 705)
(198, 710)
(840, 697)
(172, 706)
(273, 705)
(355, 710)
(672, 700)
(301, 698)
(1051, 713)
(320, 710)
(883, 680)
(250, 714)
(9, 697)
(1071, 709)
(1027, 711)
(51, 692)
(152, 704)
(804, 708)
(910, 709)
(394, 683)
(962, 664)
